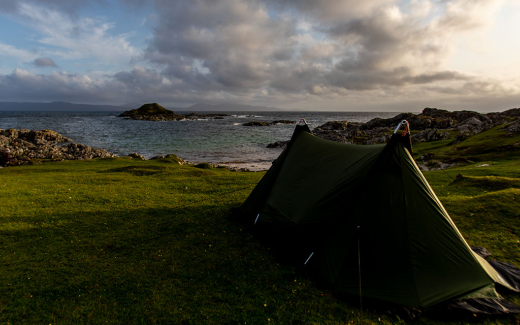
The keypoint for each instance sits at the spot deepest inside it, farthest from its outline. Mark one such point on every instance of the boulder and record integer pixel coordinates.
(334, 125)
(135, 155)
(278, 144)
(203, 165)
(511, 128)
(470, 126)
(430, 135)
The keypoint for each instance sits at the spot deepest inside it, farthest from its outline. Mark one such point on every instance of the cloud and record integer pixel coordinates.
(13, 52)
(44, 62)
(347, 46)
(16, 86)
(70, 37)
(79, 37)
(266, 51)
(70, 7)
(325, 11)
(461, 15)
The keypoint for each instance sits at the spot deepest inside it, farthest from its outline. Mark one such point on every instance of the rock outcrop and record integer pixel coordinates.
(433, 125)
(155, 112)
(260, 123)
(29, 146)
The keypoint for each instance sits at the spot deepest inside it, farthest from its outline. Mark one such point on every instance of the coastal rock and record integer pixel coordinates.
(256, 123)
(171, 158)
(333, 125)
(512, 127)
(4, 141)
(470, 126)
(29, 146)
(278, 144)
(386, 123)
(261, 123)
(444, 114)
(434, 124)
(283, 122)
(430, 135)
(135, 155)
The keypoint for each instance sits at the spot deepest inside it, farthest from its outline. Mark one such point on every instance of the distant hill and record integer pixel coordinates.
(56, 106)
(71, 107)
(131, 105)
(228, 107)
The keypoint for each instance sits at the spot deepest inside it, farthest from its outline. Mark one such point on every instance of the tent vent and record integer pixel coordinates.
(302, 119)
(257, 218)
(308, 258)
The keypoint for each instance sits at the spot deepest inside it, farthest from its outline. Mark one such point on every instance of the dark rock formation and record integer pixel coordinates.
(256, 123)
(278, 144)
(29, 146)
(260, 123)
(434, 125)
(155, 112)
(430, 135)
(283, 122)
(135, 155)
(171, 157)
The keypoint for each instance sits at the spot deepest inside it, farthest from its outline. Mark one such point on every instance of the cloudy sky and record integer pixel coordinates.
(379, 55)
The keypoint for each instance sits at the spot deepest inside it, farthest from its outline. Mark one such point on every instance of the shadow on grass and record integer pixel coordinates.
(157, 265)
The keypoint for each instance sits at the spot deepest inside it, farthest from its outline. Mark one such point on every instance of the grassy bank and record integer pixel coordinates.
(121, 241)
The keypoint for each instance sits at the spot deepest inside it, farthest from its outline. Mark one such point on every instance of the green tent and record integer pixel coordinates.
(365, 221)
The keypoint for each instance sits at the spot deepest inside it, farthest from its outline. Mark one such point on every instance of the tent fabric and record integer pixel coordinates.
(367, 208)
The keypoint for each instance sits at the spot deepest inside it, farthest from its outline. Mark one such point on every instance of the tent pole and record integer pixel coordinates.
(308, 258)
(359, 269)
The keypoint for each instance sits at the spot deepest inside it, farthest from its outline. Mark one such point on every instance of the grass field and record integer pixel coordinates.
(122, 241)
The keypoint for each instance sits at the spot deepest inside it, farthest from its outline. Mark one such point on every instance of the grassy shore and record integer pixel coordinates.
(122, 241)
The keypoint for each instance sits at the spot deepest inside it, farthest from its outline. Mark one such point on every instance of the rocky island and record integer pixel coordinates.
(155, 112)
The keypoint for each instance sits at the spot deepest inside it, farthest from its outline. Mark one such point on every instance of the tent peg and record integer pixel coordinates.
(257, 218)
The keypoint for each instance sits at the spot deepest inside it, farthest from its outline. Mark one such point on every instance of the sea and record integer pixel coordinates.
(217, 141)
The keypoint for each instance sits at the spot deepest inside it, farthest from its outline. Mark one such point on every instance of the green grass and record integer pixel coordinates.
(122, 241)
(493, 144)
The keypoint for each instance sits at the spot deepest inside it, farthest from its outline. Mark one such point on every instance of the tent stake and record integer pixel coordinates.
(359, 269)
(257, 218)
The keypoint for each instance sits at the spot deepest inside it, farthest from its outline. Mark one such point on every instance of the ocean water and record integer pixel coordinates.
(218, 141)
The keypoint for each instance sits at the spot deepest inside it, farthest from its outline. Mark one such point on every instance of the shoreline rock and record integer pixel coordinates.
(30, 146)
(260, 123)
(33, 147)
(434, 125)
(431, 124)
